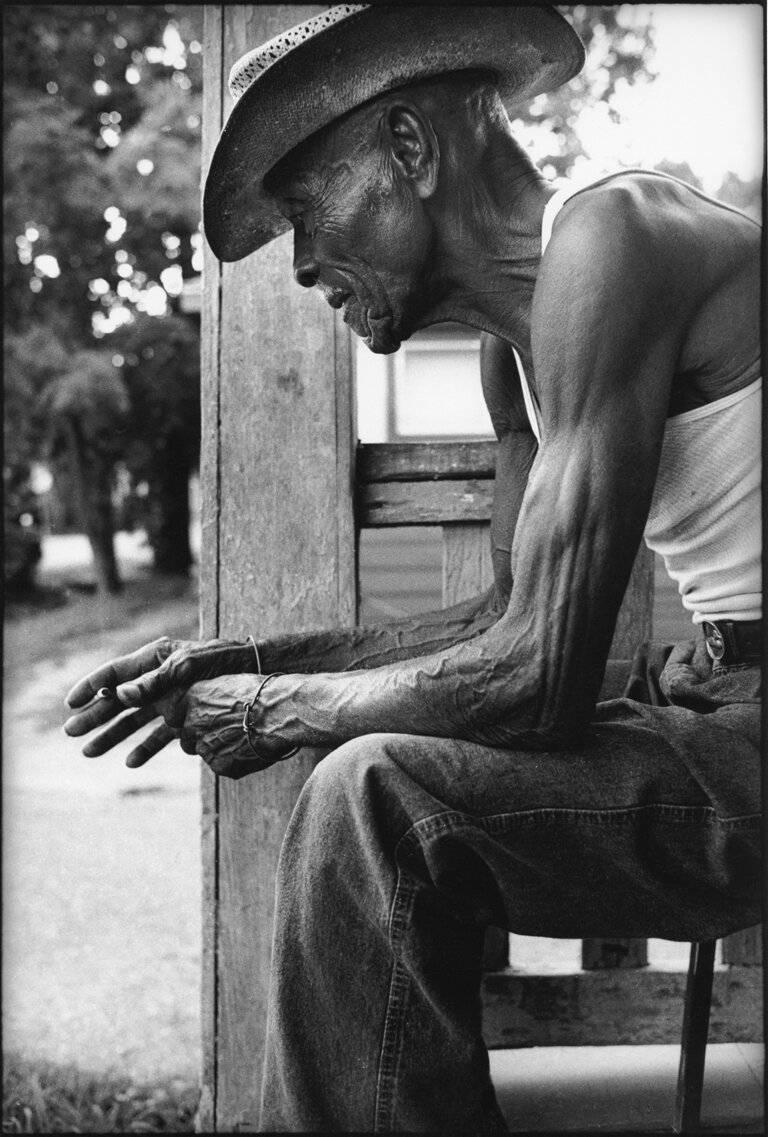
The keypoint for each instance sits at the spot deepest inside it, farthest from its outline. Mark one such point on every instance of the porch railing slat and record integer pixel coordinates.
(424, 503)
(423, 461)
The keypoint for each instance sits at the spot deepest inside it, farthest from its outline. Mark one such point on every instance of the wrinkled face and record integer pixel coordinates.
(358, 235)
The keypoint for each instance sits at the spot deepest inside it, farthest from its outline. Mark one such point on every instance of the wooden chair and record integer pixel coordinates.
(450, 484)
(693, 1046)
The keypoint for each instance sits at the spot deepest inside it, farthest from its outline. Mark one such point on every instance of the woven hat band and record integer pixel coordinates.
(256, 62)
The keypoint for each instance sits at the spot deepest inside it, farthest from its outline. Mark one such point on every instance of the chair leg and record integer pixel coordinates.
(698, 999)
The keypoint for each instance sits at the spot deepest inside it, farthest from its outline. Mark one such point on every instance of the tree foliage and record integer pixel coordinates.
(102, 121)
(68, 106)
(161, 372)
(618, 43)
(620, 55)
(102, 116)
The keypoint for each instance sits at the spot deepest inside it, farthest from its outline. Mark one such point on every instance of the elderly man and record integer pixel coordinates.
(475, 779)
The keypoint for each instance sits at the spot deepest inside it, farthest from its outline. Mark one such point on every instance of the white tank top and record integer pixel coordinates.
(705, 516)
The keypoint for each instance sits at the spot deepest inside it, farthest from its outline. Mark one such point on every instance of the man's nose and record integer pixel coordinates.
(305, 268)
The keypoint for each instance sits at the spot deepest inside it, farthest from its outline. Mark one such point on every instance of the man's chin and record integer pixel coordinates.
(377, 332)
(383, 338)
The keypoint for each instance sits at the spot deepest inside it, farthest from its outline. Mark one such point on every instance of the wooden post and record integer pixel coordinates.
(278, 555)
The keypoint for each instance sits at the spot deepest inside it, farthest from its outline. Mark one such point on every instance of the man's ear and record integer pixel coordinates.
(413, 147)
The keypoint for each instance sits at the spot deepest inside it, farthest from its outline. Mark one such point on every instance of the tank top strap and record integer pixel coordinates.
(530, 406)
(565, 191)
(551, 210)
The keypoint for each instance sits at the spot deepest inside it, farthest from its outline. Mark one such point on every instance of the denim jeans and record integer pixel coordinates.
(402, 849)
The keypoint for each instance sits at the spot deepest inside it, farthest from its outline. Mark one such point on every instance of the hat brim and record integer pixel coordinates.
(529, 50)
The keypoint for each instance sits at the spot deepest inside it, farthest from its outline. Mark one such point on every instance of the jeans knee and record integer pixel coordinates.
(346, 770)
(340, 831)
(349, 795)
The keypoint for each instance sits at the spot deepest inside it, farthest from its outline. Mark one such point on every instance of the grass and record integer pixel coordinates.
(40, 1097)
(49, 617)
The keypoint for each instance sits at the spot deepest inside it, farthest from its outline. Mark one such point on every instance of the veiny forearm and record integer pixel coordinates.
(374, 646)
(530, 679)
(465, 691)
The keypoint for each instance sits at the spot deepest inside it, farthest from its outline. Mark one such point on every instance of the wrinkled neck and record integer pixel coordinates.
(487, 217)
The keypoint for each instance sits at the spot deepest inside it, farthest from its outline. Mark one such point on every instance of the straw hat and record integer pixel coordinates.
(313, 73)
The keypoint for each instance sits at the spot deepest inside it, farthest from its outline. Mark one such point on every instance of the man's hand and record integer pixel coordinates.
(207, 719)
(165, 664)
(140, 680)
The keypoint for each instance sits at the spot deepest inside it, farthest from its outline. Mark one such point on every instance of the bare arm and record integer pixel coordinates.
(166, 667)
(612, 302)
(166, 664)
(373, 646)
(609, 317)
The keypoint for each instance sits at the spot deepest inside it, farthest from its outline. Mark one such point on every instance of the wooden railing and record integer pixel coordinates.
(615, 996)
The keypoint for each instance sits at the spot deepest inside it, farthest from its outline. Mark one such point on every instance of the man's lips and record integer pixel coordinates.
(355, 313)
(349, 302)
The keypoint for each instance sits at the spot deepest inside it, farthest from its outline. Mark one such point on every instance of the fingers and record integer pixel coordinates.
(190, 663)
(152, 744)
(99, 712)
(85, 689)
(121, 729)
(120, 670)
(149, 687)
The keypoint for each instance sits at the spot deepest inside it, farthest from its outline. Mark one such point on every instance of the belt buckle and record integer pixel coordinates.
(715, 642)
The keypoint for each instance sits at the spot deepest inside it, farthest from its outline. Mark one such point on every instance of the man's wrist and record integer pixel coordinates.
(254, 727)
(261, 659)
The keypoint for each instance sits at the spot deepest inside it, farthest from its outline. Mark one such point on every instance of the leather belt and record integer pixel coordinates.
(734, 641)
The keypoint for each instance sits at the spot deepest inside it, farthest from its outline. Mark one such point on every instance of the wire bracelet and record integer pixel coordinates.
(247, 722)
(250, 640)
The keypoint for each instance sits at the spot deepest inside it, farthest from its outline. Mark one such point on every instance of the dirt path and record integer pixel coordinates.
(101, 929)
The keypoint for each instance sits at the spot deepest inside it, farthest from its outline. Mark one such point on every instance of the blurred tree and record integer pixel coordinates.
(619, 54)
(747, 196)
(161, 372)
(102, 154)
(86, 412)
(681, 170)
(21, 546)
(31, 360)
(744, 195)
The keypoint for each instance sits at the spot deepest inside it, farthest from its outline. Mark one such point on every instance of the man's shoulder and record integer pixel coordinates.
(612, 229)
(644, 205)
(630, 231)
(625, 204)
(622, 257)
